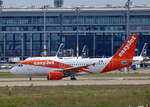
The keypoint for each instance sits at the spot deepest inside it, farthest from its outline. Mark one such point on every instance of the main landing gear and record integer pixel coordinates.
(73, 77)
(30, 77)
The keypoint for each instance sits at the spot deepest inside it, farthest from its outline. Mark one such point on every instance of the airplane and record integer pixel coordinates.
(142, 57)
(57, 68)
(137, 60)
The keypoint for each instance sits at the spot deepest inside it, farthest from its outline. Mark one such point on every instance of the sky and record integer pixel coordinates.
(72, 3)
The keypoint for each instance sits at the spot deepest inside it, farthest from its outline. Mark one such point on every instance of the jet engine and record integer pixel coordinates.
(55, 75)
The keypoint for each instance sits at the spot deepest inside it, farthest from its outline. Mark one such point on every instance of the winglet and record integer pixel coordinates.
(93, 64)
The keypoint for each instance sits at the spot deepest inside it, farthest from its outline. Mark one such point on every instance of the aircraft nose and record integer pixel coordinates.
(13, 70)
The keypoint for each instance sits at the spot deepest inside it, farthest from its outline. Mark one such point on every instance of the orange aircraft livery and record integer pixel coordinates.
(56, 68)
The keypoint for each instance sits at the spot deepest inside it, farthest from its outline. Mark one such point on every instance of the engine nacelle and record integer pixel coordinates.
(55, 75)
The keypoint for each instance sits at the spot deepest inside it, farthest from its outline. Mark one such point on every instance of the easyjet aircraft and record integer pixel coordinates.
(57, 68)
(142, 58)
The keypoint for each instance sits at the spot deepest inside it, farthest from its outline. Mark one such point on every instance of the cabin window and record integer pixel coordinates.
(20, 65)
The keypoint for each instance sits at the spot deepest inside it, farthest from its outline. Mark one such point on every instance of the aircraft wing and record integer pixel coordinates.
(79, 68)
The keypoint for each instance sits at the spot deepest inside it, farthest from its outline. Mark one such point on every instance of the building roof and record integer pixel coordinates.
(74, 8)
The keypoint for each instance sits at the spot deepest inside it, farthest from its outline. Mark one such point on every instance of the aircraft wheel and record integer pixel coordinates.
(30, 77)
(73, 78)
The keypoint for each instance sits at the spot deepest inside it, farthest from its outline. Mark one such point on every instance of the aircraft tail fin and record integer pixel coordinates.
(124, 56)
(144, 52)
(127, 50)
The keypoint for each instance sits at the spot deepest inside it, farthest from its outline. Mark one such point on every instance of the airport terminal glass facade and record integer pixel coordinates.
(103, 30)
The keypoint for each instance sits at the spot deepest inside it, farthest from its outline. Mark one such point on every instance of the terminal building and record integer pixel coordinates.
(103, 30)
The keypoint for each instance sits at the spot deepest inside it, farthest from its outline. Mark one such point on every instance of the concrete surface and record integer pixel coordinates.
(82, 80)
(67, 81)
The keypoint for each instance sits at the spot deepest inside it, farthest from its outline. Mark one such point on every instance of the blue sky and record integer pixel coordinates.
(74, 3)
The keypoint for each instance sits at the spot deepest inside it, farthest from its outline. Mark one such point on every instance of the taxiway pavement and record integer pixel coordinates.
(81, 81)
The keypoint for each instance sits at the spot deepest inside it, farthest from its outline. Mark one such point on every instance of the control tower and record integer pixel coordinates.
(58, 3)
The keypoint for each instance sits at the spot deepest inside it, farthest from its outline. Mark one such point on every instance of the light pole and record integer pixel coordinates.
(77, 11)
(1, 7)
(94, 44)
(44, 32)
(128, 18)
(112, 44)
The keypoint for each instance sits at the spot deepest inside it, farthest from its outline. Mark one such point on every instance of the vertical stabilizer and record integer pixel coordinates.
(127, 50)
(144, 52)
(124, 56)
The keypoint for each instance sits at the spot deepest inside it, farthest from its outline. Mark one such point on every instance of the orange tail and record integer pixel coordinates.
(124, 56)
(127, 49)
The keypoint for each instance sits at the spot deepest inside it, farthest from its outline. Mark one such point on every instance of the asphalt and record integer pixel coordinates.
(81, 81)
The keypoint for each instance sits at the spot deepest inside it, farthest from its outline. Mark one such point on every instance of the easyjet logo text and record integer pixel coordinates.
(127, 47)
(43, 63)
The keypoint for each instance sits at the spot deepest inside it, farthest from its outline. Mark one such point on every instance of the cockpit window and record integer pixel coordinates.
(20, 65)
